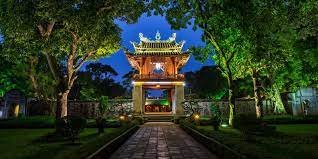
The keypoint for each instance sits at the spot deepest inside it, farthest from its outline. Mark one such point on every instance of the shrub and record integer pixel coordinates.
(100, 123)
(205, 121)
(139, 120)
(28, 122)
(249, 124)
(108, 123)
(70, 126)
(180, 119)
(243, 120)
(112, 124)
(216, 122)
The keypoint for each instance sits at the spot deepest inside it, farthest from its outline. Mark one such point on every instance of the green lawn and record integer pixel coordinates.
(23, 144)
(291, 142)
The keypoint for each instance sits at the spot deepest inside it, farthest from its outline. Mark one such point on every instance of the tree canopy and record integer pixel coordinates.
(67, 32)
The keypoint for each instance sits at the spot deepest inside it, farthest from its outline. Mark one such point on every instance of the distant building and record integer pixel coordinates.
(12, 104)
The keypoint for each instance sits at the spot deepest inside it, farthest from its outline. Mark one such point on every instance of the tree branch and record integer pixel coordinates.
(45, 33)
(83, 59)
(104, 7)
(230, 57)
(52, 66)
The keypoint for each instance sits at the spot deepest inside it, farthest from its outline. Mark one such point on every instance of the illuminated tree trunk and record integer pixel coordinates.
(231, 99)
(257, 95)
(61, 104)
(279, 106)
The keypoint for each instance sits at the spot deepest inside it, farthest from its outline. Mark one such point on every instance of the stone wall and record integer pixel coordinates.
(89, 109)
(304, 101)
(242, 106)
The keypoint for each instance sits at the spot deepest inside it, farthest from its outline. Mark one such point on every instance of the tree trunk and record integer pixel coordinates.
(61, 104)
(279, 106)
(284, 97)
(257, 95)
(231, 99)
(62, 94)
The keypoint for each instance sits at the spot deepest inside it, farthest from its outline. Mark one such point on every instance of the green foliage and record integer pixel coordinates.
(11, 77)
(139, 120)
(206, 83)
(70, 126)
(96, 81)
(216, 116)
(28, 122)
(241, 120)
(103, 106)
(250, 125)
(67, 33)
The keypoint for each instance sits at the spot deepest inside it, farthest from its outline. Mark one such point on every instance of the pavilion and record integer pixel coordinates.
(158, 63)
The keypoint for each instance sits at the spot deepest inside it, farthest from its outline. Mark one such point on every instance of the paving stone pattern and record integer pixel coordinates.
(162, 141)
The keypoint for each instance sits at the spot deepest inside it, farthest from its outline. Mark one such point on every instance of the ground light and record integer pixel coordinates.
(224, 125)
(197, 117)
(122, 117)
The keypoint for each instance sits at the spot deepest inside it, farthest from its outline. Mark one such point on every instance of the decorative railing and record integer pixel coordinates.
(159, 77)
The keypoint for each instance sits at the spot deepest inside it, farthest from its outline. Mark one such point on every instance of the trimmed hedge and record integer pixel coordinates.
(288, 119)
(33, 122)
(37, 122)
(108, 124)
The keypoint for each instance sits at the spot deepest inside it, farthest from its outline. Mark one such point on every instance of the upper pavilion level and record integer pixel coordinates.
(158, 60)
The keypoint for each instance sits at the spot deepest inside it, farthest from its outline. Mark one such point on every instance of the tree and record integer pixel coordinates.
(224, 42)
(67, 32)
(207, 82)
(127, 79)
(305, 19)
(95, 82)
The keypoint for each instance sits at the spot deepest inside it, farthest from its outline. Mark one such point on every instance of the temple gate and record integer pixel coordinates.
(158, 63)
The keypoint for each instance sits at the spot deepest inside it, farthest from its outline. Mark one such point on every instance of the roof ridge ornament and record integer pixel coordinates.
(172, 38)
(142, 38)
(158, 36)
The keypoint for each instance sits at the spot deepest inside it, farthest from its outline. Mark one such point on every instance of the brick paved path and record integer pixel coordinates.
(162, 141)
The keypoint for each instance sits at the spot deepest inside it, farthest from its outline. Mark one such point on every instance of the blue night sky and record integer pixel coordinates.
(149, 26)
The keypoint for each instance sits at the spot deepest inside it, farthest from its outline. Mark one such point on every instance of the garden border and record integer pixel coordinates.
(213, 145)
(111, 146)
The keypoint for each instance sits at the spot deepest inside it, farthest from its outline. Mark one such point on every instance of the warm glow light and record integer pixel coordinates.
(122, 117)
(157, 86)
(197, 116)
(159, 82)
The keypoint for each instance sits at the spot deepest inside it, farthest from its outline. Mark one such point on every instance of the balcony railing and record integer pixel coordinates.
(161, 77)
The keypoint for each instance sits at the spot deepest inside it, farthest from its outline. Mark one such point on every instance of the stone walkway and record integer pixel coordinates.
(162, 141)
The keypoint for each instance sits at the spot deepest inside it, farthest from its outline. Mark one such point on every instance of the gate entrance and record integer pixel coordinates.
(158, 62)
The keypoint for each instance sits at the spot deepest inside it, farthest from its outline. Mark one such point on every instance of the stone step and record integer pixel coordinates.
(154, 118)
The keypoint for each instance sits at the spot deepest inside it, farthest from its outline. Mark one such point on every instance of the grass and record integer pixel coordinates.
(291, 142)
(23, 144)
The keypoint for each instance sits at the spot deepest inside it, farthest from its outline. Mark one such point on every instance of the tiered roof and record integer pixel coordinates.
(147, 46)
